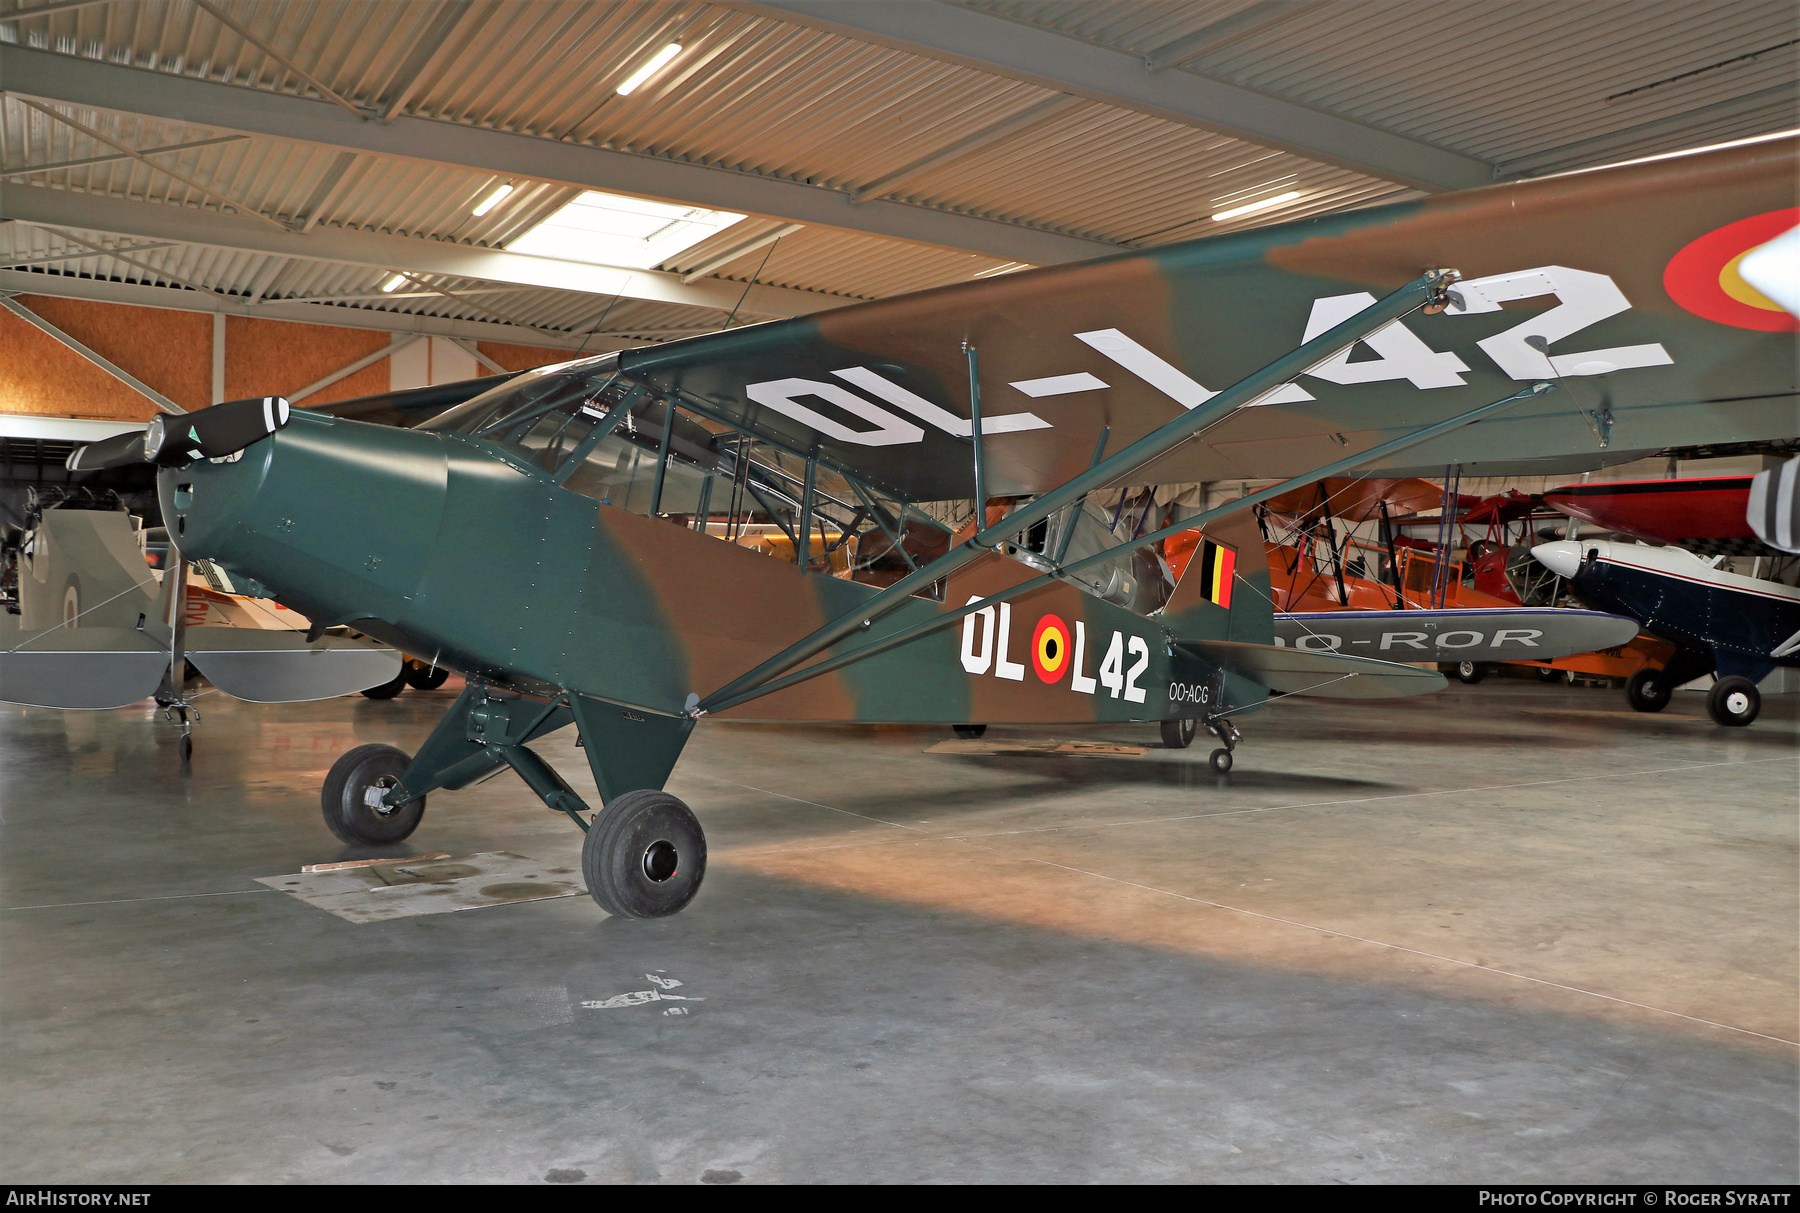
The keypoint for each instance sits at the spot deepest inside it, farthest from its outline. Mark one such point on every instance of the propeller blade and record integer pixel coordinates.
(223, 429)
(119, 451)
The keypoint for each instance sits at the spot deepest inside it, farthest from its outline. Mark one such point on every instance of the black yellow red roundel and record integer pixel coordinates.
(1050, 648)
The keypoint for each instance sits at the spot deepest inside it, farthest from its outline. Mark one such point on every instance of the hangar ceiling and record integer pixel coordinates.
(291, 159)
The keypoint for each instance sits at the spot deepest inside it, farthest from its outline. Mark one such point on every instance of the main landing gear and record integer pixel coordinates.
(644, 855)
(1734, 700)
(1179, 734)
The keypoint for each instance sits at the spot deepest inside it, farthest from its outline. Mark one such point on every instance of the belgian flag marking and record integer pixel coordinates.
(1217, 564)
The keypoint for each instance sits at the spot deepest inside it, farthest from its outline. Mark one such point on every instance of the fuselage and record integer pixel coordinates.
(1741, 622)
(467, 553)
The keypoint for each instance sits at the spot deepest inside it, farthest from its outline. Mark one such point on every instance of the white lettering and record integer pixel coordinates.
(1326, 643)
(1004, 668)
(1077, 680)
(1410, 639)
(1525, 636)
(1583, 299)
(1133, 691)
(781, 395)
(970, 662)
(944, 419)
(1112, 669)
(1171, 381)
(1474, 638)
(1403, 355)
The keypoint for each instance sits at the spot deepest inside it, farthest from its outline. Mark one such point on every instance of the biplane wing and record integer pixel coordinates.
(1609, 281)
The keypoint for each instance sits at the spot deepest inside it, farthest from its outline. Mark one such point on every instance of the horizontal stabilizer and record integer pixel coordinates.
(281, 667)
(1502, 634)
(1327, 675)
(89, 668)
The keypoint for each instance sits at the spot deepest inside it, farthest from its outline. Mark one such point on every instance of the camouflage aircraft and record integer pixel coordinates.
(1545, 325)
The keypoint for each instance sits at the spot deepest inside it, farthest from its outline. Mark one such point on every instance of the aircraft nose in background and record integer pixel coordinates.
(1562, 557)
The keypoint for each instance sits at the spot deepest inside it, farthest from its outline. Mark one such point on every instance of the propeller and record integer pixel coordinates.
(171, 440)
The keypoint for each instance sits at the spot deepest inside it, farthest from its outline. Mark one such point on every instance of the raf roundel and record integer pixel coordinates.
(1050, 648)
(1703, 277)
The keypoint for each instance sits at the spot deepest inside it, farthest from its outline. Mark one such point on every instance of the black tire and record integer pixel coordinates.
(1178, 734)
(389, 689)
(422, 677)
(1734, 701)
(1470, 672)
(1644, 693)
(1548, 673)
(1221, 762)
(344, 798)
(186, 746)
(644, 856)
(969, 732)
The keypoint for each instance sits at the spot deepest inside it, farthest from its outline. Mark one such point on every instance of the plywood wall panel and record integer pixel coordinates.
(167, 349)
(41, 375)
(520, 357)
(275, 357)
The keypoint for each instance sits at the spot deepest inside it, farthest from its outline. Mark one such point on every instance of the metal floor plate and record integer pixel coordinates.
(406, 889)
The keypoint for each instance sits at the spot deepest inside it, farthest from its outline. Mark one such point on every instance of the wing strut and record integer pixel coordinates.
(951, 617)
(1429, 288)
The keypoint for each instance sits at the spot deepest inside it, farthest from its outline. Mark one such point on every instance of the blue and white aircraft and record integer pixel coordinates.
(1739, 628)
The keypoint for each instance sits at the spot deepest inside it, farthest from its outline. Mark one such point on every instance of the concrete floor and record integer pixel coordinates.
(1510, 933)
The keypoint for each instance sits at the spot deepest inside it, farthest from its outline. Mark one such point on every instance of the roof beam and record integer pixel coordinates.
(211, 229)
(109, 86)
(27, 170)
(958, 34)
(60, 286)
(117, 372)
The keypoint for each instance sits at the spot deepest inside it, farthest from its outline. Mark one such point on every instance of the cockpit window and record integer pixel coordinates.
(565, 387)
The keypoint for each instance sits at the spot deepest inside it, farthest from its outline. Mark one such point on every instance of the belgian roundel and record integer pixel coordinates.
(1704, 278)
(1050, 648)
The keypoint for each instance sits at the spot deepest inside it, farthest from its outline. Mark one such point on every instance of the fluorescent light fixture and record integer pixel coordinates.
(611, 229)
(656, 64)
(1250, 208)
(1008, 268)
(394, 283)
(492, 200)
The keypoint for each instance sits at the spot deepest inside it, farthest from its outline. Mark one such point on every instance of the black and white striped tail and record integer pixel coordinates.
(1775, 506)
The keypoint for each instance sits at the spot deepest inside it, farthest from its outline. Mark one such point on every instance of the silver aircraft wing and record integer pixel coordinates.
(83, 668)
(281, 667)
(1502, 634)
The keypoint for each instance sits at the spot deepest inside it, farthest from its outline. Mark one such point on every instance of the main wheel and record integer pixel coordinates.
(1470, 672)
(644, 856)
(1548, 673)
(1644, 693)
(1734, 700)
(390, 688)
(422, 677)
(969, 732)
(351, 797)
(1178, 734)
(1221, 761)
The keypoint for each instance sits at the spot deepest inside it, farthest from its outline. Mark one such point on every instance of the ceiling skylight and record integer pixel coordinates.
(609, 229)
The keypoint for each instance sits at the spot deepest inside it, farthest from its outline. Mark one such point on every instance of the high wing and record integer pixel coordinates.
(1501, 634)
(1608, 280)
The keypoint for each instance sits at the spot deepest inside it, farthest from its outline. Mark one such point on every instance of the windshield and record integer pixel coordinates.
(507, 409)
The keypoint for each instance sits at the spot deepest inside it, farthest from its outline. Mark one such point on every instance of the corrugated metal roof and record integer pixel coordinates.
(1502, 80)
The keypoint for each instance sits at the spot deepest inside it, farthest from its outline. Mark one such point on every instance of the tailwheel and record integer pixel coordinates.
(1644, 693)
(1470, 672)
(352, 797)
(1734, 700)
(644, 856)
(423, 677)
(969, 732)
(1179, 734)
(1221, 761)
